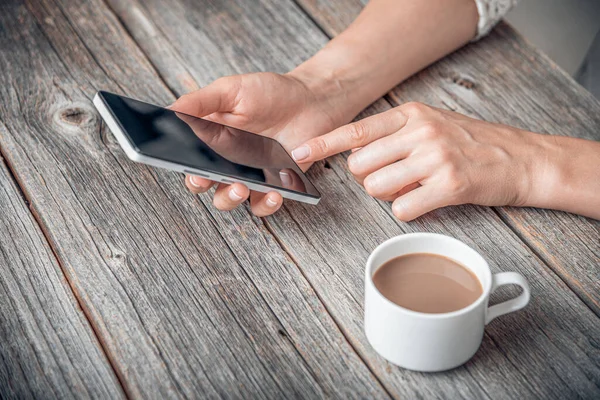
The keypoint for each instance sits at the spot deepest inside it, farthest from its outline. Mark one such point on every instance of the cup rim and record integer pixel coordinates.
(437, 236)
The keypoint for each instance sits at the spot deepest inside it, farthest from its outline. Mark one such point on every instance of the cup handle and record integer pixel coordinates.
(507, 278)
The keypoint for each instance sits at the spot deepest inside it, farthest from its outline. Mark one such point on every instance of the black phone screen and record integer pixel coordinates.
(201, 144)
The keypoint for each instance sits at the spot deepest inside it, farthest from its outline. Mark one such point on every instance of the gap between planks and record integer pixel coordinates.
(38, 221)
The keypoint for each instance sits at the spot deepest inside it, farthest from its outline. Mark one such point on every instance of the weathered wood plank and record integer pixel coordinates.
(187, 301)
(330, 242)
(515, 84)
(47, 347)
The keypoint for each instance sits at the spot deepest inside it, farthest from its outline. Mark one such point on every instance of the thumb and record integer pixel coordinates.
(219, 96)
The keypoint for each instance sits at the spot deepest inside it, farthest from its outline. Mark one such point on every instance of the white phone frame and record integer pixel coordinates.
(134, 155)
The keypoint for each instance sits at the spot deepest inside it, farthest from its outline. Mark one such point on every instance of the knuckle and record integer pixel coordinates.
(456, 183)
(398, 115)
(321, 146)
(431, 130)
(186, 96)
(413, 108)
(223, 80)
(357, 132)
(444, 155)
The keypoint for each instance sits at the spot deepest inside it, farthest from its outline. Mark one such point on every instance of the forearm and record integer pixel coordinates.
(388, 42)
(568, 178)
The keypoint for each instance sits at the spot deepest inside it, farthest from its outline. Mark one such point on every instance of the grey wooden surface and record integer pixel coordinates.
(47, 347)
(180, 300)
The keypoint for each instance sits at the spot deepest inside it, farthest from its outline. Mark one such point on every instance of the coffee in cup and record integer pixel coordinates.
(428, 283)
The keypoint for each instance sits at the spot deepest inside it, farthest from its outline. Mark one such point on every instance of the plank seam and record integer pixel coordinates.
(89, 51)
(515, 366)
(28, 201)
(31, 309)
(312, 19)
(143, 52)
(242, 329)
(215, 388)
(307, 365)
(248, 336)
(38, 362)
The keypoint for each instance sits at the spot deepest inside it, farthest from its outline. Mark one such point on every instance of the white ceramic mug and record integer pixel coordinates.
(433, 342)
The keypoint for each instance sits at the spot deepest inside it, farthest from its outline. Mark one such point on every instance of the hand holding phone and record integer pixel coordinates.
(239, 147)
(277, 106)
(168, 139)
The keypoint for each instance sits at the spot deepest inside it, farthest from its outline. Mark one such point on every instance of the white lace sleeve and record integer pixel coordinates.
(490, 13)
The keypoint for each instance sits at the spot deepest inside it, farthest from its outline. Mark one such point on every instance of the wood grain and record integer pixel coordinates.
(47, 348)
(523, 355)
(504, 79)
(187, 301)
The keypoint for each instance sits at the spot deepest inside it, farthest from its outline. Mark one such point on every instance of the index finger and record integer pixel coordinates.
(347, 137)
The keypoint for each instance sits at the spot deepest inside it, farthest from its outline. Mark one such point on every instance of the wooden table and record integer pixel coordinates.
(116, 282)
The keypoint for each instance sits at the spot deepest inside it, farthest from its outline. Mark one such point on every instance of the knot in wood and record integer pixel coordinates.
(74, 116)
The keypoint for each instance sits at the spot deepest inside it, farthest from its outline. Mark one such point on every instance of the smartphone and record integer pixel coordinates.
(167, 139)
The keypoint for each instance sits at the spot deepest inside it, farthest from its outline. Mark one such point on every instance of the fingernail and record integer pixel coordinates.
(195, 181)
(286, 179)
(271, 202)
(301, 153)
(233, 195)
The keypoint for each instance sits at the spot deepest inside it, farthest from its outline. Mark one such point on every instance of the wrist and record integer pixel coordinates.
(569, 177)
(325, 94)
(336, 84)
(555, 180)
(543, 172)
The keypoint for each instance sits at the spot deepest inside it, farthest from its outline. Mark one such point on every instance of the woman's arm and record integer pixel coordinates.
(388, 42)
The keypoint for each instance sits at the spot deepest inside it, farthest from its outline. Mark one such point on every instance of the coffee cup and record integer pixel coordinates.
(426, 341)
